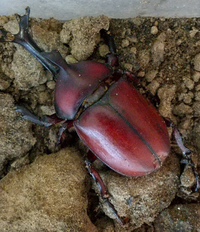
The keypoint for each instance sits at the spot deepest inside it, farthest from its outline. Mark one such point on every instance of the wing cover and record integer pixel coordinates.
(125, 131)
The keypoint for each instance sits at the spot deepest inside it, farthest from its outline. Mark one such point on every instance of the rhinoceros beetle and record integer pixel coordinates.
(109, 115)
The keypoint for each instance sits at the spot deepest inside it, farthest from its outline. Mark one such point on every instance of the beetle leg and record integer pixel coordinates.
(109, 40)
(112, 58)
(24, 39)
(45, 120)
(185, 151)
(103, 190)
(133, 76)
(61, 136)
(186, 155)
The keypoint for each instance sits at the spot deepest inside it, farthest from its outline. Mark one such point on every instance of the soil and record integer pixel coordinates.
(164, 53)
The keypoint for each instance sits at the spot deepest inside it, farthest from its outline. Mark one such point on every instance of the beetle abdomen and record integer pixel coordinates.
(125, 131)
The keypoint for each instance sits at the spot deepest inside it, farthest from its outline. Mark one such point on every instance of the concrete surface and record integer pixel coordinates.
(67, 9)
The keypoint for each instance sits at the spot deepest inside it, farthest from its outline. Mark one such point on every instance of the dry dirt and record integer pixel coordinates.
(165, 54)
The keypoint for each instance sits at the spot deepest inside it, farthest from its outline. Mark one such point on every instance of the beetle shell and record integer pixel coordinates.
(125, 131)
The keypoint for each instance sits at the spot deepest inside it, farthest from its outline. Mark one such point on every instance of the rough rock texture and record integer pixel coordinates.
(48, 195)
(16, 137)
(184, 218)
(32, 71)
(83, 34)
(142, 198)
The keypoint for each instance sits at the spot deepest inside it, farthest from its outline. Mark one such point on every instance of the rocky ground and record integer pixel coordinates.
(46, 188)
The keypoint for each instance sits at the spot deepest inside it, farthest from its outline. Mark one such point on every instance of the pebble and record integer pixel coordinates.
(154, 30)
(197, 96)
(179, 42)
(187, 178)
(70, 59)
(51, 84)
(193, 32)
(125, 43)
(188, 97)
(133, 50)
(103, 50)
(4, 84)
(132, 39)
(153, 86)
(196, 76)
(47, 110)
(128, 67)
(197, 62)
(198, 87)
(196, 108)
(182, 109)
(189, 84)
(151, 75)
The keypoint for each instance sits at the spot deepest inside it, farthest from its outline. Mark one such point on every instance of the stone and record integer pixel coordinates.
(82, 35)
(141, 198)
(16, 137)
(48, 195)
(179, 218)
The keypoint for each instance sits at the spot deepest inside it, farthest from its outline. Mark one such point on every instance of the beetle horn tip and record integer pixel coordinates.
(27, 9)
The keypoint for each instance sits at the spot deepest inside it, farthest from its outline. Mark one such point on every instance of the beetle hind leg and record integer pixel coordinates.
(186, 153)
(103, 190)
(186, 156)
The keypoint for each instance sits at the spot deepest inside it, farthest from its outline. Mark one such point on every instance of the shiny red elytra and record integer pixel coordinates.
(118, 129)
(110, 116)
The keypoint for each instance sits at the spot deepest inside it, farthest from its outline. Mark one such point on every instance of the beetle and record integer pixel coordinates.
(108, 113)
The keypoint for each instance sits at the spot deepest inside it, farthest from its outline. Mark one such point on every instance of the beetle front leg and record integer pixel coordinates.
(185, 151)
(103, 190)
(43, 121)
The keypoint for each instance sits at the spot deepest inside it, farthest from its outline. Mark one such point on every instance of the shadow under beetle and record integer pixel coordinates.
(118, 125)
